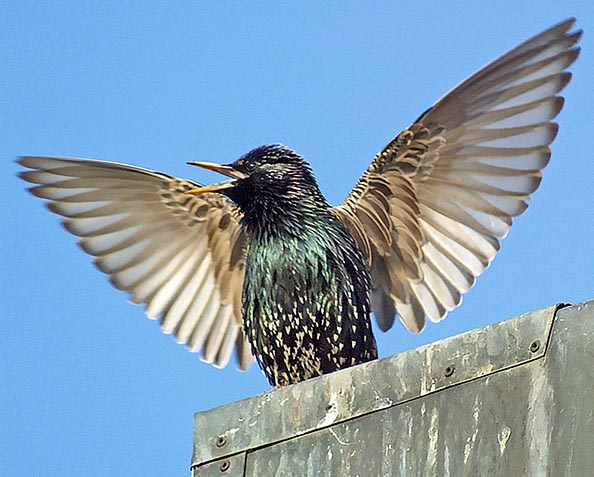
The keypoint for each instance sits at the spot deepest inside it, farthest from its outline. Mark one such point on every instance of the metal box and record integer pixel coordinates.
(514, 398)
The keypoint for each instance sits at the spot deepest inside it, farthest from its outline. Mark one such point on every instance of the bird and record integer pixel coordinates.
(261, 265)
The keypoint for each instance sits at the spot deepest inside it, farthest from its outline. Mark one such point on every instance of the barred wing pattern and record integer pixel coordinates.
(430, 210)
(181, 255)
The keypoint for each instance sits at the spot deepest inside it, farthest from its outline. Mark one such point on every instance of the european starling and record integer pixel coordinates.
(263, 260)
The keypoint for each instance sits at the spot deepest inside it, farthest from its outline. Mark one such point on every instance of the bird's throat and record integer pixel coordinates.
(282, 219)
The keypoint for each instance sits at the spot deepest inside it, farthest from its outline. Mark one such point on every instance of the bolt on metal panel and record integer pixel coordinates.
(493, 400)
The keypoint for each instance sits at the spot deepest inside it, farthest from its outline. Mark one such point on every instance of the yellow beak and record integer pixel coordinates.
(213, 187)
(221, 169)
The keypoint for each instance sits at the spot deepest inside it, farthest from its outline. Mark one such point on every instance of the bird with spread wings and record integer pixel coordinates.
(428, 214)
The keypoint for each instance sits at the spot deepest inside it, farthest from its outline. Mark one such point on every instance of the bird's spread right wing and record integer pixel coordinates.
(181, 255)
(430, 210)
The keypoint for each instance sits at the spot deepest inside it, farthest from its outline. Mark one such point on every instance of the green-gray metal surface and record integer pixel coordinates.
(514, 398)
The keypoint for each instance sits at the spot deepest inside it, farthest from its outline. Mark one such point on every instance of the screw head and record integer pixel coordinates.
(221, 441)
(535, 346)
(449, 370)
(224, 467)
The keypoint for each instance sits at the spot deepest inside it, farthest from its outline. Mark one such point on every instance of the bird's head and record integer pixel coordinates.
(266, 177)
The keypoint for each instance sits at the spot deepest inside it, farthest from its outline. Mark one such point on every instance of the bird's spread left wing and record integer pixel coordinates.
(179, 254)
(431, 209)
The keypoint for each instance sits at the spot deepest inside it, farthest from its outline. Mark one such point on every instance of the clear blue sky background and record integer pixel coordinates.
(88, 385)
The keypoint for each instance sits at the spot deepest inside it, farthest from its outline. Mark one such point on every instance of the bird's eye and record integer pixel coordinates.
(243, 166)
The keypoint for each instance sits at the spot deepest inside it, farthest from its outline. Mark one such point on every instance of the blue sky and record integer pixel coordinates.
(89, 386)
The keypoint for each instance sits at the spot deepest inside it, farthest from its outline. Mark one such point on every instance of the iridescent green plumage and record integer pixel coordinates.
(306, 289)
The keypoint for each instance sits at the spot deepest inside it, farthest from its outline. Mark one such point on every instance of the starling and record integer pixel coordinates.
(263, 265)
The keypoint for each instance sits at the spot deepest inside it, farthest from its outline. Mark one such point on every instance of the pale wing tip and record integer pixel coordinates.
(441, 318)
(411, 317)
(576, 36)
(24, 161)
(34, 162)
(29, 163)
(227, 345)
(563, 27)
(26, 176)
(415, 327)
(573, 53)
(566, 24)
(553, 131)
(243, 353)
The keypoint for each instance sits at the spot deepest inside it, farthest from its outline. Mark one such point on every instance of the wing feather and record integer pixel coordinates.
(446, 189)
(180, 255)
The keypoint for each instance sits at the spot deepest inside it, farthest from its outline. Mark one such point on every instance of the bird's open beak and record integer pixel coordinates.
(219, 186)
(221, 169)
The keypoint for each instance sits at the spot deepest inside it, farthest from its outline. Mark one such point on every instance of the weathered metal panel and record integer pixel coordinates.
(567, 389)
(512, 398)
(278, 415)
